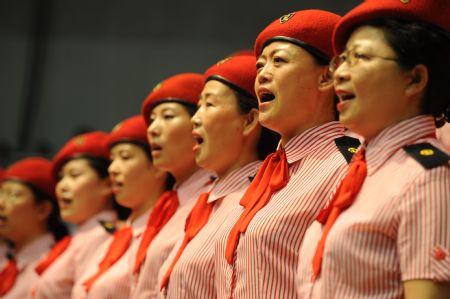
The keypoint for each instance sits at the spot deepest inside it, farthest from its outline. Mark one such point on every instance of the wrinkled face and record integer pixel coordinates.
(19, 213)
(170, 137)
(218, 128)
(372, 90)
(287, 87)
(132, 174)
(81, 193)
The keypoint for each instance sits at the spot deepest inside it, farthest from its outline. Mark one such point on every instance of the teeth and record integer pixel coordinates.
(267, 97)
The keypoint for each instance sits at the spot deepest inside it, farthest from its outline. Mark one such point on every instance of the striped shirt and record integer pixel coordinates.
(57, 281)
(266, 257)
(396, 229)
(193, 274)
(146, 284)
(26, 259)
(116, 281)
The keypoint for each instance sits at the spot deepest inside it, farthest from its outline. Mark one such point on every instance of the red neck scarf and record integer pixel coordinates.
(344, 197)
(56, 251)
(196, 220)
(271, 177)
(164, 209)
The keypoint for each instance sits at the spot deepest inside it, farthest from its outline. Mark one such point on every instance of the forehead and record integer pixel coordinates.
(215, 87)
(160, 108)
(281, 46)
(368, 37)
(10, 184)
(76, 162)
(125, 146)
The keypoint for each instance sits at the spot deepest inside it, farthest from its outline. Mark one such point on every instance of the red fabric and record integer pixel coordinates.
(344, 197)
(184, 87)
(313, 27)
(56, 251)
(35, 171)
(119, 245)
(8, 277)
(131, 129)
(89, 144)
(435, 12)
(239, 71)
(163, 211)
(196, 220)
(272, 176)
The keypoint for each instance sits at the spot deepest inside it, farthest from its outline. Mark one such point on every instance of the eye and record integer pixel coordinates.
(259, 65)
(278, 59)
(360, 56)
(209, 104)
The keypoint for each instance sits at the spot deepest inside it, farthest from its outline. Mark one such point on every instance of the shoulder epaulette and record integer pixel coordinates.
(427, 155)
(348, 146)
(109, 226)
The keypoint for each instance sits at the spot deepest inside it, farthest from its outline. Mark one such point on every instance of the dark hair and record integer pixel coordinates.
(417, 42)
(54, 222)
(268, 140)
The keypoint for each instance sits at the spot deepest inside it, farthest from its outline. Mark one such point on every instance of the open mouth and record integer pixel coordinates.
(266, 97)
(155, 147)
(64, 202)
(198, 139)
(3, 220)
(346, 97)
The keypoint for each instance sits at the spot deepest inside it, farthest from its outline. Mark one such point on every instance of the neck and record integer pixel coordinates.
(20, 244)
(244, 159)
(182, 175)
(147, 204)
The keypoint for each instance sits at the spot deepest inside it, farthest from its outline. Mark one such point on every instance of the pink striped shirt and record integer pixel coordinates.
(116, 281)
(26, 260)
(146, 284)
(57, 281)
(193, 275)
(396, 230)
(266, 257)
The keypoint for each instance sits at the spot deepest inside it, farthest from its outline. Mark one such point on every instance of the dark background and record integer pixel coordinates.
(67, 66)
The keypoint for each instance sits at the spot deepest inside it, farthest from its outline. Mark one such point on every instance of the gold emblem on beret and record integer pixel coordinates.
(404, 1)
(79, 140)
(117, 127)
(286, 18)
(352, 150)
(426, 152)
(158, 86)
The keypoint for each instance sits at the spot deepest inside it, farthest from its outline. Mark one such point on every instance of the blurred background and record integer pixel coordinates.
(71, 66)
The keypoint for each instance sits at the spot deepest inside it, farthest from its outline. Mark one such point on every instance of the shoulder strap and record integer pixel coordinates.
(427, 155)
(348, 146)
(109, 226)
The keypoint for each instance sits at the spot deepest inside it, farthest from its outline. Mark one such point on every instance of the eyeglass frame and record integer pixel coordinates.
(355, 57)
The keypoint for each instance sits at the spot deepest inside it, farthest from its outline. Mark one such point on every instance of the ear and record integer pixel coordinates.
(325, 81)
(44, 209)
(250, 121)
(418, 80)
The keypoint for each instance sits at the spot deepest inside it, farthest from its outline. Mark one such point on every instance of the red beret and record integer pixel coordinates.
(435, 12)
(238, 72)
(132, 129)
(309, 29)
(184, 88)
(90, 144)
(34, 171)
(2, 174)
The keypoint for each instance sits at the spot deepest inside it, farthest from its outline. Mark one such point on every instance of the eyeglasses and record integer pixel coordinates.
(352, 57)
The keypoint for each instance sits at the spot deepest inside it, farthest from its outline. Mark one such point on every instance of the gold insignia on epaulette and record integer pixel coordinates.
(79, 140)
(426, 152)
(286, 18)
(158, 86)
(404, 1)
(117, 127)
(352, 150)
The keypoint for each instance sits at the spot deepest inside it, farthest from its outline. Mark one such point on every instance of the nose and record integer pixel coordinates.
(113, 168)
(153, 129)
(341, 74)
(264, 75)
(61, 187)
(195, 120)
